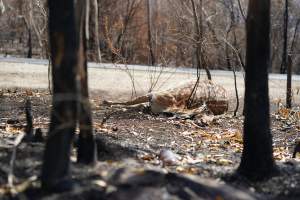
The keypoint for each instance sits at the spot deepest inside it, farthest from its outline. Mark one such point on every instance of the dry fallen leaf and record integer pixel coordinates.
(283, 113)
(14, 126)
(187, 170)
(281, 153)
(147, 157)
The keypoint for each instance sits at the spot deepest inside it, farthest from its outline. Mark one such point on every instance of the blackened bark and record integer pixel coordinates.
(296, 149)
(289, 84)
(29, 120)
(285, 64)
(284, 61)
(236, 93)
(64, 46)
(68, 61)
(29, 43)
(257, 161)
(86, 143)
(229, 67)
(87, 152)
(289, 68)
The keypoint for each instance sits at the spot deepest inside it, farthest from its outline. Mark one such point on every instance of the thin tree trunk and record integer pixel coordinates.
(289, 86)
(29, 43)
(234, 75)
(29, 40)
(29, 120)
(217, 41)
(236, 93)
(150, 40)
(228, 62)
(289, 69)
(283, 66)
(49, 75)
(199, 38)
(97, 29)
(231, 25)
(93, 45)
(294, 40)
(87, 152)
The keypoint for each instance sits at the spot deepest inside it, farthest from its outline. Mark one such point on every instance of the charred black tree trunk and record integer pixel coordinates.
(285, 66)
(289, 68)
(29, 43)
(28, 28)
(86, 143)
(284, 61)
(289, 85)
(69, 96)
(257, 161)
(29, 120)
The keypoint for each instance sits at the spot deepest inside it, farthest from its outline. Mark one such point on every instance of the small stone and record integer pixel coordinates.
(168, 157)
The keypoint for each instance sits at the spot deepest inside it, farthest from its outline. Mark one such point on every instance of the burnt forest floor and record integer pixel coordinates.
(145, 156)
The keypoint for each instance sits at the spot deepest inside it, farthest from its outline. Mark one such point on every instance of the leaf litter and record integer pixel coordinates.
(207, 146)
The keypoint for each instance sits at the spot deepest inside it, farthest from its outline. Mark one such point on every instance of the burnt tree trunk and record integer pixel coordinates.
(285, 65)
(29, 40)
(29, 43)
(86, 143)
(95, 53)
(257, 161)
(70, 96)
(284, 61)
(29, 120)
(289, 68)
(289, 84)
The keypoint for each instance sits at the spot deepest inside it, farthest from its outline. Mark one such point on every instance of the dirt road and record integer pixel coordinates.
(117, 84)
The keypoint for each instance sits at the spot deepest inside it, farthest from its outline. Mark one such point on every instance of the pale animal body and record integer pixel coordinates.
(178, 99)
